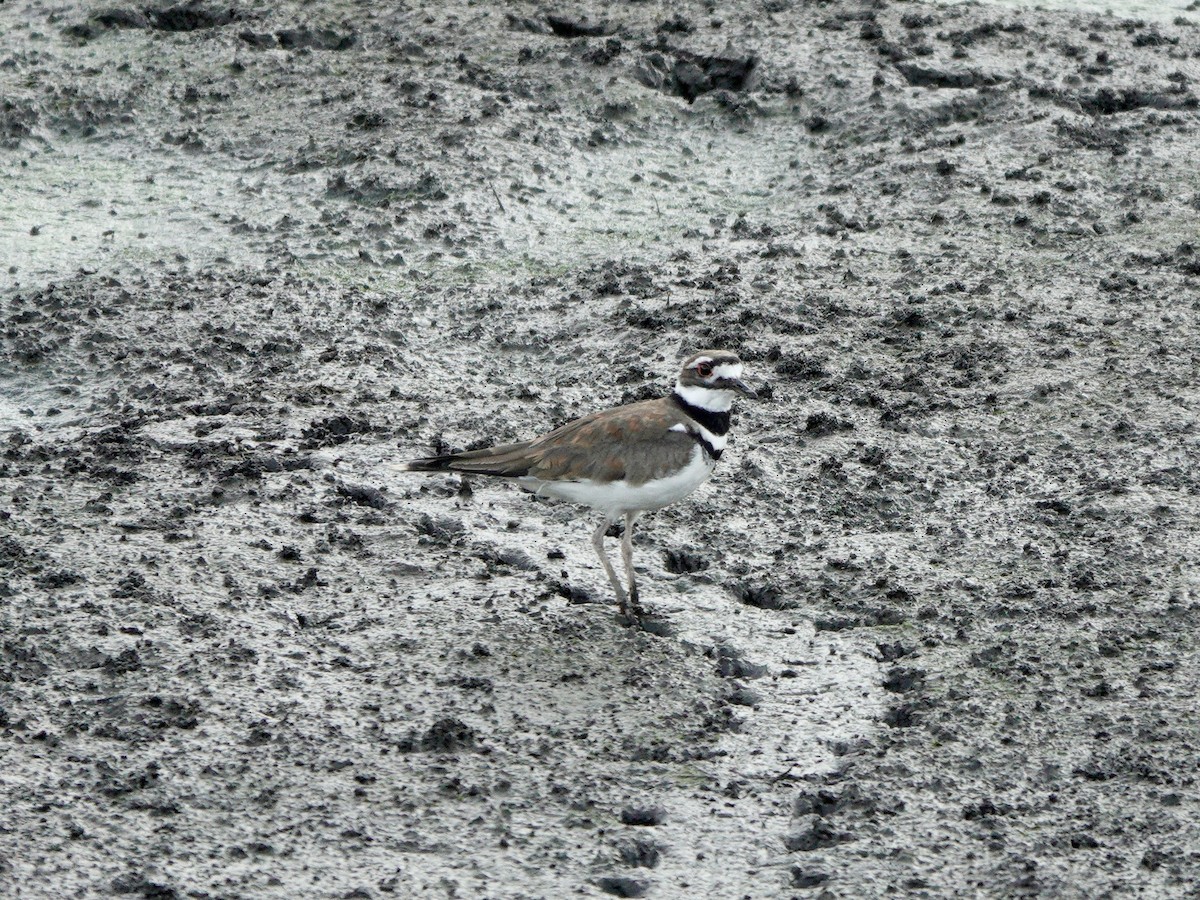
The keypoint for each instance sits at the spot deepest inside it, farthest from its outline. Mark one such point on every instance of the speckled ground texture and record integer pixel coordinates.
(931, 628)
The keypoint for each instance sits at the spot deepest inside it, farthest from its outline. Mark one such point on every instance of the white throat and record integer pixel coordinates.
(705, 398)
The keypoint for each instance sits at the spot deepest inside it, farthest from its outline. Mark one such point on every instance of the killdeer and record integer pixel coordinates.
(622, 461)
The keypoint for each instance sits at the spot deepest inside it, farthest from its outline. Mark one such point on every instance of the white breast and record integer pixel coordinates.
(616, 497)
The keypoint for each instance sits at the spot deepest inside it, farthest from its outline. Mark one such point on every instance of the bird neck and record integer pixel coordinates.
(707, 408)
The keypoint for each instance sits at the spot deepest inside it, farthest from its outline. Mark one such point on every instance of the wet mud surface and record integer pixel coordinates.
(932, 625)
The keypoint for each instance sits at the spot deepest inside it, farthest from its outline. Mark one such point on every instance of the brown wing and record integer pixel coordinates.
(633, 442)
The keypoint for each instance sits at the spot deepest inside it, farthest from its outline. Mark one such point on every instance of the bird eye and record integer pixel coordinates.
(704, 369)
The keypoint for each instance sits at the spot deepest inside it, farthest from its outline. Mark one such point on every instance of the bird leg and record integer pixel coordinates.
(598, 543)
(627, 556)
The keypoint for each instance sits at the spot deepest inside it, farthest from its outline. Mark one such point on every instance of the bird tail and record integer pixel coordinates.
(427, 464)
(504, 461)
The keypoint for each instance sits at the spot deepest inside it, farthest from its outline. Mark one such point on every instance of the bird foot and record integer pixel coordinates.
(627, 613)
(630, 606)
(632, 616)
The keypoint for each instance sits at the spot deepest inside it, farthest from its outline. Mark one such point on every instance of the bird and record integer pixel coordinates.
(623, 461)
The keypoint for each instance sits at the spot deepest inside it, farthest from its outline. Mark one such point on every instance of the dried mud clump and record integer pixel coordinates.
(688, 75)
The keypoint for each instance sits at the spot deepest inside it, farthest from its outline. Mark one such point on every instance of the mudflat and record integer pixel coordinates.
(931, 627)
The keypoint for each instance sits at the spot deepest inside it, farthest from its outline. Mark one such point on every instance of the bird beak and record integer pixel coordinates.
(736, 384)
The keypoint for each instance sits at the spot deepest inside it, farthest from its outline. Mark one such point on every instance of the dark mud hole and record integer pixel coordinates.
(935, 617)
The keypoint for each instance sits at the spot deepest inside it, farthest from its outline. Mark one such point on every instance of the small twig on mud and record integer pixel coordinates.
(497, 196)
(786, 773)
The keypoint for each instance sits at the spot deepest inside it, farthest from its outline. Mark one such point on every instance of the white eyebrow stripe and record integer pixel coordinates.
(728, 370)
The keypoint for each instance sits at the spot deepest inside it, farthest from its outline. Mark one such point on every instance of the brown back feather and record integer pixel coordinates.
(632, 442)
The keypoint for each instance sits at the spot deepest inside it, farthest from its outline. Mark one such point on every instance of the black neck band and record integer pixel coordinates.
(714, 422)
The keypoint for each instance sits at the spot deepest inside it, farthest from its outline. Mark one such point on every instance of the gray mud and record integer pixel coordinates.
(932, 624)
